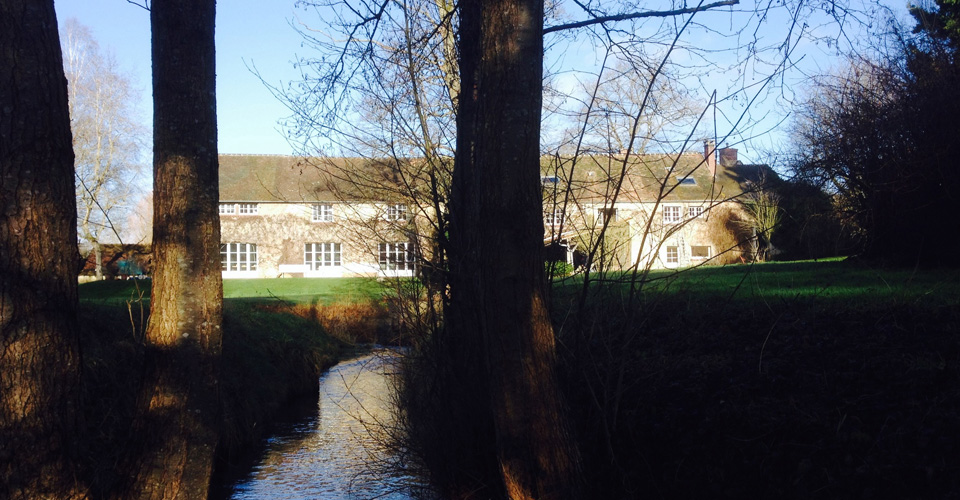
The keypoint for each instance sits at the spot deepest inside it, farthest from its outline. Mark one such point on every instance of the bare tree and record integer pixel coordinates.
(495, 215)
(39, 345)
(107, 138)
(178, 409)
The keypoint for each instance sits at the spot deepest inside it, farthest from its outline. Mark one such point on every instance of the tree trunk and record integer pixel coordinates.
(39, 347)
(179, 410)
(98, 255)
(497, 284)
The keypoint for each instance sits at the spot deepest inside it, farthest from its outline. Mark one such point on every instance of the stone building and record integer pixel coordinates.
(287, 216)
(652, 211)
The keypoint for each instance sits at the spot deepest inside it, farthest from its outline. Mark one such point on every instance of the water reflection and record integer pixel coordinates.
(335, 453)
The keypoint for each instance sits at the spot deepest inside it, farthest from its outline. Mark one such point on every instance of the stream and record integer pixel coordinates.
(334, 450)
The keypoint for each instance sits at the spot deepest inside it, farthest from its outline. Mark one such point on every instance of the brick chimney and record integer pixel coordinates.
(710, 156)
(728, 157)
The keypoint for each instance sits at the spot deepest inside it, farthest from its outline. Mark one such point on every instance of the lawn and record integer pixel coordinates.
(297, 290)
(824, 281)
(781, 380)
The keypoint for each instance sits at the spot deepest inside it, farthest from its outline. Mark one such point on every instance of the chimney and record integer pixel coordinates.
(728, 157)
(709, 155)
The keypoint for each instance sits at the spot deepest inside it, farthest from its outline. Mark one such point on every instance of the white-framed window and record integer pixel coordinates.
(238, 257)
(397, 212)
(397, 256)
(671, 214)
(554, 217)
(699, 252)
(239, 208)
(322, 212)
(694, 212)
(319, 255)
(673, 255)
(248, 208)
(606, 214)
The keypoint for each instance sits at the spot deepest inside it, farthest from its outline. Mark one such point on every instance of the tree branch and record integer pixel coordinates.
(145, 5)
(639, 15)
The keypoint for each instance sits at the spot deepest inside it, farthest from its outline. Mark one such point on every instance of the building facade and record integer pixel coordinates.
(283, 216)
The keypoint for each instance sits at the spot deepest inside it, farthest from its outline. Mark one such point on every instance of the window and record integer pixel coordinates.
(397, 212)
(673, 255)
(318, 255)
(554, 218)
(671, 214)
(694, 212)
(699, 252)
(549, 180)
(686, 181)
(608, 214)
(238, 257)
(322, 213)
(239, 208)
(397, 256)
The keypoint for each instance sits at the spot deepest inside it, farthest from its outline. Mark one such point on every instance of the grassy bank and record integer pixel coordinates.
(794, 380)
(275, 347)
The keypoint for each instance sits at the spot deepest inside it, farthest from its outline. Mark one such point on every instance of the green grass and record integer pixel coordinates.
(822, 281)
(301, 290)
(297, 290)
(782, 380)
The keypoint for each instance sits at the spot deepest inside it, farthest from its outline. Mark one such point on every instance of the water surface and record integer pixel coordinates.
(338, 451)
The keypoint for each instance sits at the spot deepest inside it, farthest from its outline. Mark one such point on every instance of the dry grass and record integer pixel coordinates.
(348, 322)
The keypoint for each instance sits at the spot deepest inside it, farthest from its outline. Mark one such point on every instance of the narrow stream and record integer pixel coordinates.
(335, 452)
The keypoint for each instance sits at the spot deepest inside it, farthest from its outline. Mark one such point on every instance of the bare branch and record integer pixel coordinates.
(145, 5)
(639, 15)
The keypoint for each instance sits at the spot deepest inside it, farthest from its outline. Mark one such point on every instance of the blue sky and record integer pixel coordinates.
(249, 32)
(258, 33)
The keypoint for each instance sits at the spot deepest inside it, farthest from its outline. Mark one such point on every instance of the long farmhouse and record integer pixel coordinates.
(287, 216)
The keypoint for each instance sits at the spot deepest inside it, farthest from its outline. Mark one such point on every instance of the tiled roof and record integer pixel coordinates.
(669, 177)
(274, 178)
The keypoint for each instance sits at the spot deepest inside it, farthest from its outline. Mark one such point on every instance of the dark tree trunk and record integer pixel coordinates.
(179, 410)
(497, 313)
(39, 348)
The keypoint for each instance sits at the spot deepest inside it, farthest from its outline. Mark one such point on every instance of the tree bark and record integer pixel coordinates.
(179, 410)
(497, 285)
(39, 347)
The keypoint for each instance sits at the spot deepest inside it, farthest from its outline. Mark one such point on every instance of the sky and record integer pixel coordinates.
(248, 33)
(258, 33)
